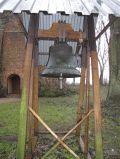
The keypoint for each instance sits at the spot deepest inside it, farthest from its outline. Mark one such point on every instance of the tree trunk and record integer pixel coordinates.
(3, 20)
(101, 78)
(114, 59)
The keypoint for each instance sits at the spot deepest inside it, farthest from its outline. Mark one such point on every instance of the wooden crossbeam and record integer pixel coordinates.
(68, 133)
(61, 30)
(21, 146)
(52, 133)
(81, 89)
(106, 27)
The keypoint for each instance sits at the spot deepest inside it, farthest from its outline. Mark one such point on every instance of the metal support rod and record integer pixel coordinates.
(53, 134)
(68, 133)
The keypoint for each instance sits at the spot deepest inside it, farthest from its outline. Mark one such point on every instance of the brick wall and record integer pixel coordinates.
(13, 50)
(3, 21)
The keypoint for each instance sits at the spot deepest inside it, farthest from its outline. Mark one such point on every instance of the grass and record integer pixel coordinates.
(60, 114)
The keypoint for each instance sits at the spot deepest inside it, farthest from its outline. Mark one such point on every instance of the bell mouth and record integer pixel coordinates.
(56, 73)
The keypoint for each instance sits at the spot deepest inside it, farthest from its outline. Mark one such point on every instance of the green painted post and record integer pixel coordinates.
(22, 126)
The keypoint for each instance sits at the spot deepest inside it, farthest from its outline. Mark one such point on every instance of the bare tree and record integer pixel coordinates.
(102, 49)
(114, 59)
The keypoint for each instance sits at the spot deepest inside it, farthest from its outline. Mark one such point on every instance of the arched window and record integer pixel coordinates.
(13, 84)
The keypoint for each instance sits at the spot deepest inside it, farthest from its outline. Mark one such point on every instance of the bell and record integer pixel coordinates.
(61, 62)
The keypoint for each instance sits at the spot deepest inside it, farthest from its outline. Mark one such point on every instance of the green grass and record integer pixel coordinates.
(9, 115)
(60, 114)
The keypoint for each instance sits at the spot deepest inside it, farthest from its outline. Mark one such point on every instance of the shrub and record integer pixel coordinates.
(55, 92)
(3, 91)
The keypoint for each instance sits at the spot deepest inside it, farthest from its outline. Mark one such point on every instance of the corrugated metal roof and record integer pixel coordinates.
(85, 7)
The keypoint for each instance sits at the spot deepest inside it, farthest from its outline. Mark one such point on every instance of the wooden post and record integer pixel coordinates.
(35, 89)
(25, 89)
(28, 154)
(87, 101)
(82, 86)
(96, 88)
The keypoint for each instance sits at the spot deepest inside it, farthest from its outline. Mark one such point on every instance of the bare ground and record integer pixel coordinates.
(9, 100)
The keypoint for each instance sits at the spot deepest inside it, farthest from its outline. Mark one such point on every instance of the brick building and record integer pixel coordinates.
(12, 49)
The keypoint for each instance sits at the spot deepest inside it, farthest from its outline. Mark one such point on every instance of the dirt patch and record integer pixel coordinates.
(9, 100)
(45, 142)
(8, 138)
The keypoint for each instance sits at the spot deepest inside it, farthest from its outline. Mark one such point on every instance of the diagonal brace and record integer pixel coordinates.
(69, 132)
(53, 134)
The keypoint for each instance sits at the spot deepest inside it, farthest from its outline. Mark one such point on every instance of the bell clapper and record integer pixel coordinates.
(61, 81)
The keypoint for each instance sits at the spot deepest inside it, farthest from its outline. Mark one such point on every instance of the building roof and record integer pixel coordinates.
(86, 7)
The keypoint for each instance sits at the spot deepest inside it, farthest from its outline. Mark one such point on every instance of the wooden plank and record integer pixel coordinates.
(82, 87)
(25, 90)
(56, 132)
(67, 134)
(82, 146)
(35, 89)
(21, 21)
(53, 134)
(61, 30)
(87, 100)
(96, 89)
(31, 101)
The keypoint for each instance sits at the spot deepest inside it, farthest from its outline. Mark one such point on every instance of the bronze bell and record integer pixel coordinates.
(60, 63)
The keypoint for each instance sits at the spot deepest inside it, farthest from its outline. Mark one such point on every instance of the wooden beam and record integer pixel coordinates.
(86, 134)
(96, 88)
(82, 88)
(85, 31)
(35, 89)
(21, 21)
(61, 30)
(26, 87)
(106, 27)
(53, 134)
(68, 133)
(82, 145)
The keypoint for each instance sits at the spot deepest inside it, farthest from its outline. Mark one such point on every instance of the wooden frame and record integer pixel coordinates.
(61, 30)
(28, 127)
(96, 88)
(24, 125)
